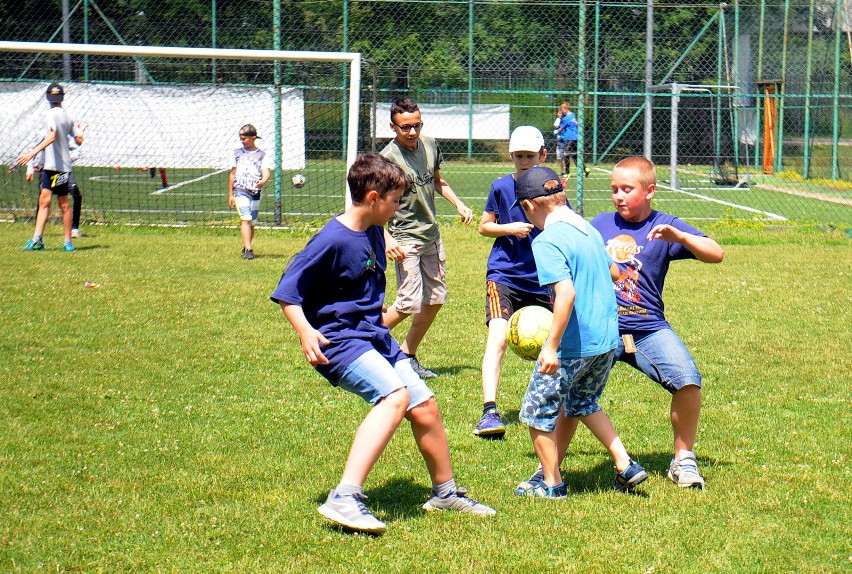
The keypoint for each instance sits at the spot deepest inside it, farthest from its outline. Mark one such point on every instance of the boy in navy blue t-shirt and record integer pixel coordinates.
(643, 241)
(511, 280)
(332, 294)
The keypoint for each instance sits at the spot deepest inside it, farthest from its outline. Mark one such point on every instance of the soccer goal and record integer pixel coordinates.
(703, 153)
(162, 124)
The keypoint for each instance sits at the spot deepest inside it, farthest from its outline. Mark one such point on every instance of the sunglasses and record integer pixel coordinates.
(407, 128)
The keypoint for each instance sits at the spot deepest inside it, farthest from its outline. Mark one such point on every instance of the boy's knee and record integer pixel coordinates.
(426, 412)
(398, 400)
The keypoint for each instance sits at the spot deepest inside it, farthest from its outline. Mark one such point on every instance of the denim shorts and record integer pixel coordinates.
(576, 387)
(662, 356)
(372, 378)
(247, 207)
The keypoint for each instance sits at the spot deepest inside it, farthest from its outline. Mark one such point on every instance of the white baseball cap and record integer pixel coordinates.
(526, 138)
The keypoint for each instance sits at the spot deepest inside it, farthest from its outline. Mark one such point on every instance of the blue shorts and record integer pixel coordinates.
(372, 378)
(576, 387)
(662, 356)
(247, 208)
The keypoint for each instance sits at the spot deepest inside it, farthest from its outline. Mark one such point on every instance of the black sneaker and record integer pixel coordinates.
(422, 371)
(248, 254)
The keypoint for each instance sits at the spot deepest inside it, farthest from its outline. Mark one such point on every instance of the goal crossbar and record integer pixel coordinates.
(351, 58)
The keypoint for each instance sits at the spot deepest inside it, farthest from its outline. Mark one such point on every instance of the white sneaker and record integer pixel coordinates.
(684, 471)
(75, 234)
(460, 502)
(350, 512)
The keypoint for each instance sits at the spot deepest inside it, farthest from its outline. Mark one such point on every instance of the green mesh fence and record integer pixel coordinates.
(750, 102)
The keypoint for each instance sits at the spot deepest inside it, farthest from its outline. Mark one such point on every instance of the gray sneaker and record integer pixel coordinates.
(350, 512)
(458, 501)
(684, 472)
(422, 371)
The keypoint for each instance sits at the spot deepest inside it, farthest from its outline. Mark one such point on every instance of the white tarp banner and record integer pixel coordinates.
(156, 126)
(490, 122)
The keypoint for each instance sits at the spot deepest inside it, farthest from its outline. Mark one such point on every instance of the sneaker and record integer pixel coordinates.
(34, 246)
(351, 512)
(422, 371)
(68, 247)
(490, 425)
(75, 234)
(458, 501)
(248, 254)
(630, 477)
(684, 472)
(541, 490)
(527, 487)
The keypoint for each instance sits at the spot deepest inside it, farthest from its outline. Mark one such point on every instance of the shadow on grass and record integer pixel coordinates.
(397, 499)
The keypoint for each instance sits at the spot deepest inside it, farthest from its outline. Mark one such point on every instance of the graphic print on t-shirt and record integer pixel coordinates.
(623, 249)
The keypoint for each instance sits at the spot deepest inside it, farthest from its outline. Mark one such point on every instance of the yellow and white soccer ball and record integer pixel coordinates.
(528, 330)
(298, 180)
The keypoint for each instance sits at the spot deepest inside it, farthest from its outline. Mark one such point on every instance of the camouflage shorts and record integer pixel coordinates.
(577, 386)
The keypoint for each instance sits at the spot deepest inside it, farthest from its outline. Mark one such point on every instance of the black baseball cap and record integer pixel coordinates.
(538, 181)
(55, 93)
(249, 130)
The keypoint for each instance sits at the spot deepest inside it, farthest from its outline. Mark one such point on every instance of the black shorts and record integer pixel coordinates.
(501, 300)
(55, 181)
(571, 147)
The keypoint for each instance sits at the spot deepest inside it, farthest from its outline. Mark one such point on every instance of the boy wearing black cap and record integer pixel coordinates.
(250, 169)
(57, 168)
(574, 363)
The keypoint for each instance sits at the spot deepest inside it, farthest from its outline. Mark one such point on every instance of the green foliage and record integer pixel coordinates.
(167, 420)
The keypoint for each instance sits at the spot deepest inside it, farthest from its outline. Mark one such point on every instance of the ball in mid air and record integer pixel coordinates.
(528, 330)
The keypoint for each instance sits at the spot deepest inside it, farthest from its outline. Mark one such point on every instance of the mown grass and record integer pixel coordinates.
(167, 421)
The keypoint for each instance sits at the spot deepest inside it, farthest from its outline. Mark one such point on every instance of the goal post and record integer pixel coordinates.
(175, 117)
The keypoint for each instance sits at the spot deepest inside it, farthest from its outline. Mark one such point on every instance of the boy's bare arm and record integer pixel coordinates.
(310, 338)
(563, 305)
(231, 201)
(48, 139)
(443, 188)
(264, 178)
(488, 227)
(705, 249)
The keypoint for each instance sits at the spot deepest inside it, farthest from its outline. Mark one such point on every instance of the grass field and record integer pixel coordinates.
(199, 196)
(167, 421)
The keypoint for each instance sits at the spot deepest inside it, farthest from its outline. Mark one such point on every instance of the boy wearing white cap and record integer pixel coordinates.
(511, 281)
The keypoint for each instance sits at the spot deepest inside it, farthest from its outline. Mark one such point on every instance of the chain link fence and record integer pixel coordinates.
(745, 107)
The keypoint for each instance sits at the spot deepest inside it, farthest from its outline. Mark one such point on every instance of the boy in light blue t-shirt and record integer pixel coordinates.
(575, 360)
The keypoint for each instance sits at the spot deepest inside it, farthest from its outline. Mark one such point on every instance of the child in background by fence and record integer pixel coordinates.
(340, 328)
(643, 242)
(250, 169)
(54, 177)
(36, 164)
